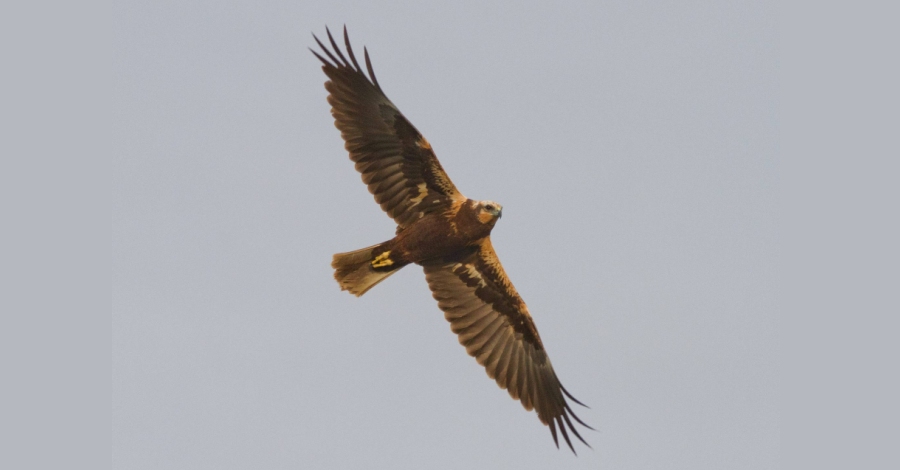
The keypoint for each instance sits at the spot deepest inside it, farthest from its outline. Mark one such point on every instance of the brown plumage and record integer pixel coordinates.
(443, 231)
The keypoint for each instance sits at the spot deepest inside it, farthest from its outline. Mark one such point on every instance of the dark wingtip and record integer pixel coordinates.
(562, 428)
(571, 397)
(336, 58)
(569, 409)
(337, 50)
(317, 55)
(369, 68)
(552, 425)
(575, 431)
(562, 419)
(350, 50)
(325, 50)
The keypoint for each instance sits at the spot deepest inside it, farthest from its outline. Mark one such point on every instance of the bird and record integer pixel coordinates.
(443, 231)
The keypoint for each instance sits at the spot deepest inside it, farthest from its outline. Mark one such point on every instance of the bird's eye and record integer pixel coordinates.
(490, 208)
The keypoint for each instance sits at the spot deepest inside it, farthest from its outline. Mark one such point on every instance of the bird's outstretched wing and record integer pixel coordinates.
(396, 162)
(494, 325)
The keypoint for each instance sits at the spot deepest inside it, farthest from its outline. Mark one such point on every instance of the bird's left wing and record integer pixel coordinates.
(494, 325)
(396, 162)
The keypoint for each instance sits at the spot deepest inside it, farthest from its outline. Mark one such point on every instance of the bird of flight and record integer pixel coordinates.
(444, 232)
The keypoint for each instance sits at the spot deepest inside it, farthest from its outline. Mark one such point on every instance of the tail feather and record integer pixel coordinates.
(354, 271)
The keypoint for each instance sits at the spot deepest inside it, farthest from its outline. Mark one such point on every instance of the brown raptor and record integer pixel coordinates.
(443, 231)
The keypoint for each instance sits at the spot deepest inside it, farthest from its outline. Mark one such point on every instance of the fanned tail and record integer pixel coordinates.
(358, 271)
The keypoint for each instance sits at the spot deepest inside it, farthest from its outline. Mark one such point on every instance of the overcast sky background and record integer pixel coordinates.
(633, 146)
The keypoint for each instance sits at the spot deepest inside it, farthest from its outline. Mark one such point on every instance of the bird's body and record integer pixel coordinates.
(461, 226)
(444, 232)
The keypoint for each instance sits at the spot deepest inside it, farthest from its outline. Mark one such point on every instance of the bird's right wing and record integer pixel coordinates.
(396, 162)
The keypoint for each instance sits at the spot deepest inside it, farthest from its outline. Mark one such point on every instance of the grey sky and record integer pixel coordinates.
(633, 146)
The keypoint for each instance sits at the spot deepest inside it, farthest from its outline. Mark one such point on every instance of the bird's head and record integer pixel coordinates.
(488, 212)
